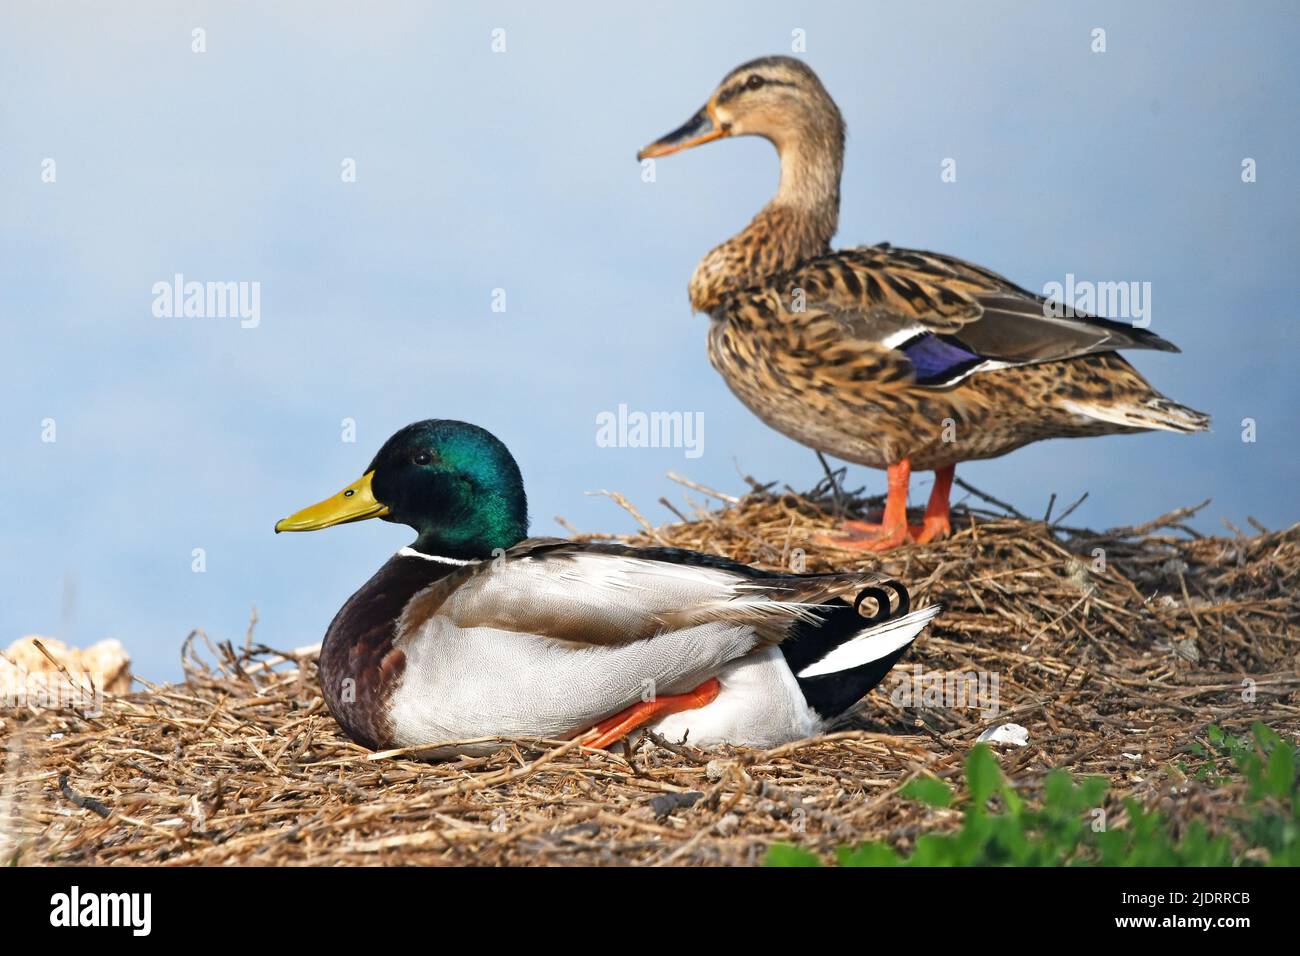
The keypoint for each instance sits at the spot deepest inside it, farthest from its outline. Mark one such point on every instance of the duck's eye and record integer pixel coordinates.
(754, 82)
(349, 493)
(421, 458)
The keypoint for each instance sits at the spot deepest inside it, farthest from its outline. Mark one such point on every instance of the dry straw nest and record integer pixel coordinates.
(1113, 670)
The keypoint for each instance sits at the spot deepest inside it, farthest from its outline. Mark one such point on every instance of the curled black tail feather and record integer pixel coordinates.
(883, 613)
(832, 694)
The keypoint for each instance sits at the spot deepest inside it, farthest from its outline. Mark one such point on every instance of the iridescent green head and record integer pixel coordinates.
(456, 484)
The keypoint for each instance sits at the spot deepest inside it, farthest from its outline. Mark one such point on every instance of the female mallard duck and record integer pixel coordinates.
(477, 631)
(891, 358)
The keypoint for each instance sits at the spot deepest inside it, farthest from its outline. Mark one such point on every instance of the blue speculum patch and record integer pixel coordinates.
(936, 359)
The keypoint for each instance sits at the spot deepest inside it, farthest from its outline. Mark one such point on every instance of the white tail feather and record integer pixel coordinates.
(873, 643)
(1158, 413)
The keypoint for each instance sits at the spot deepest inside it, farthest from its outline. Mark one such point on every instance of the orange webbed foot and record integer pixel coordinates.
(894, 531)
(866, 536)
(934, 528)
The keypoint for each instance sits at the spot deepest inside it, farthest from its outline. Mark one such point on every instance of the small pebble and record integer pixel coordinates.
(728, 824)
(664, 804)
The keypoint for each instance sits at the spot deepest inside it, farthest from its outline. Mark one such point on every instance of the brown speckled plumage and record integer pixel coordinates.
(814, 342)
(858, 403)
(823, 376)
(743, 259)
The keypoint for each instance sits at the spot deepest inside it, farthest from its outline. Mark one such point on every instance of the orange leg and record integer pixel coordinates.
(615, 728)
(936, 512)
(894, 530)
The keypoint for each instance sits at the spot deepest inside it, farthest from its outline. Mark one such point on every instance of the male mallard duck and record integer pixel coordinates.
(476, 631)
(892, 358)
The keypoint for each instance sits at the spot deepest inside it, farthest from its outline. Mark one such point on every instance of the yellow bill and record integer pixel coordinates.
(356, 502)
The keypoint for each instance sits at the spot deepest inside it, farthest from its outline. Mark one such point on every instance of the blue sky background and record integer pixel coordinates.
(478, 171)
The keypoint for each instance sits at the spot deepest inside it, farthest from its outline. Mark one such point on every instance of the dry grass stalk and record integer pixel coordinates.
(1112, 667)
